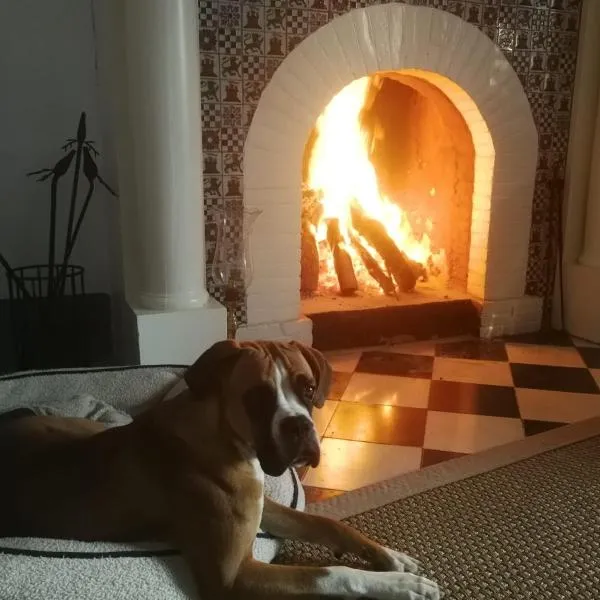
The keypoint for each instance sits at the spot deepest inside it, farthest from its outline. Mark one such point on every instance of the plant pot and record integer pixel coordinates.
(64, 332)
(54, 330)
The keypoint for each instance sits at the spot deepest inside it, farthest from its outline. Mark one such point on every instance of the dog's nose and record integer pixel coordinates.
(301, 440)
(312, 452)
(296, 428)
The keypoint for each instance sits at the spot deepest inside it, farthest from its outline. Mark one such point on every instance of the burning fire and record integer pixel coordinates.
(342, 177)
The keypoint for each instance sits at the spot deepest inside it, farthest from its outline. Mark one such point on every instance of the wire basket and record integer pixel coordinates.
(36, 281)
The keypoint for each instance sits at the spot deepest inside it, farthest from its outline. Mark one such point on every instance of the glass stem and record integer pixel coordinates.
(232, 295)
(232, 322)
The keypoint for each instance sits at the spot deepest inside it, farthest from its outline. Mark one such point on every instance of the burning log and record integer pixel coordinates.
(309, 260)
(341, 259)
(372, 266)
(403, 270)
(312, 209)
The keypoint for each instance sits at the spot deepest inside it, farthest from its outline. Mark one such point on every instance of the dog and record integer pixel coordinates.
(190, 470)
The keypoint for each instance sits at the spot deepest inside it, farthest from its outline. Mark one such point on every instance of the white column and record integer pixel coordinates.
(590, 256)
(149, 69)
(163, 212)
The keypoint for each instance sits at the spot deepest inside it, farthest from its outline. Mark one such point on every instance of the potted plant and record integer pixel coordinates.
(43, 297)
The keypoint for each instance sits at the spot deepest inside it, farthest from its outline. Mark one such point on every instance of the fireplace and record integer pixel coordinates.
(267, 71)
(478, 212)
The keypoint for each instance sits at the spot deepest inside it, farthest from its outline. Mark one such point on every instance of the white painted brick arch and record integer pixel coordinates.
(452, 54)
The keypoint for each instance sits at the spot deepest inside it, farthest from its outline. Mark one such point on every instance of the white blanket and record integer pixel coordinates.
(44, 569)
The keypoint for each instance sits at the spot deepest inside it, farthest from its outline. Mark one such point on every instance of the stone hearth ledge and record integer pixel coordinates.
(299, 330)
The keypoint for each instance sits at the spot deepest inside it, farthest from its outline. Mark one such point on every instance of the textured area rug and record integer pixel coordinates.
(517, 522)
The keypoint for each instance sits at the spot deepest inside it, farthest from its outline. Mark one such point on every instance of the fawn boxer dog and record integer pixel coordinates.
(190, 470)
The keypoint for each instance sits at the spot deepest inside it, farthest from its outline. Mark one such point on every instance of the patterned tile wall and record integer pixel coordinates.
(243, 42)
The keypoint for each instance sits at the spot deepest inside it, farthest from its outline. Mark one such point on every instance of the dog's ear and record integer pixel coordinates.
(206, 374)
(321, 370)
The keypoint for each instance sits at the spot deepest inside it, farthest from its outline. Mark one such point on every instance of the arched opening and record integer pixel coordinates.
(388, 178)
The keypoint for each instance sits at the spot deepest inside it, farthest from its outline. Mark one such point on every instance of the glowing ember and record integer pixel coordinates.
(341, 175)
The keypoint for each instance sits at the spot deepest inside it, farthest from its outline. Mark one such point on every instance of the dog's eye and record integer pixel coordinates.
(309, 391)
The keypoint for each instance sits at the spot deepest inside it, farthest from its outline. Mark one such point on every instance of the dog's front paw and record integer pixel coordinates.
(392, 560)
(407, 586)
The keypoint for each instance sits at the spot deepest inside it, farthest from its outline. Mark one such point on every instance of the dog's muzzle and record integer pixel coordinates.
(301, 441)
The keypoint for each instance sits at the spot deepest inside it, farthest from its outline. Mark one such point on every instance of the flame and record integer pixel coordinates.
(340, 172)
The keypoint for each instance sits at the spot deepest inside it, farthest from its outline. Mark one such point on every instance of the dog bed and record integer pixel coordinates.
(36, 568)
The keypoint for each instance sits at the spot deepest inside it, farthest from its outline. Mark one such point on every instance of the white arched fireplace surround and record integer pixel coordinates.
(474, 73)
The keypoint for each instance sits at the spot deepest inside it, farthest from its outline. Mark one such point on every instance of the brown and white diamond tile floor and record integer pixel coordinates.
(400, 408)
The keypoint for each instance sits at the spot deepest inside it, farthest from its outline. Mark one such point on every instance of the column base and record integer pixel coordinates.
(181, 336)
(299, 330)
(512, 316)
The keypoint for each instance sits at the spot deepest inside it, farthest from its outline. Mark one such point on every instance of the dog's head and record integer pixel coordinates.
(268, 390)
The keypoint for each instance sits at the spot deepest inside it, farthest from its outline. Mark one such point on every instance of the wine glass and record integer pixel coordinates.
(232, 263)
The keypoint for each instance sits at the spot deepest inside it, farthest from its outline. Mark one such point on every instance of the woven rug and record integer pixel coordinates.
(519, 521)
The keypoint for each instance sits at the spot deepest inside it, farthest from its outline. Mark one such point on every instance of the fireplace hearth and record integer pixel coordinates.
(264, 85)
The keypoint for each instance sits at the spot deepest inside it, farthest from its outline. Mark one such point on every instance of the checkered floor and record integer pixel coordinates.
(399, 408)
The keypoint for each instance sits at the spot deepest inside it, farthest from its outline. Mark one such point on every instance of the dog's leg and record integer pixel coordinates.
(219, 554)
(260, 581)
(285, 522)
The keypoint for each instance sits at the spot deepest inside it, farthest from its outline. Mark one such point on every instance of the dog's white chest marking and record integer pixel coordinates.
(288, 403)
(259, 476)
(257, 471)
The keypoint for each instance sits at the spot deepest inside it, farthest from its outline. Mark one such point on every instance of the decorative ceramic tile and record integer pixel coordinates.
(560, 379)
(535, 427)
(472, 371)
(231, 67)
(473, 398)
(398, 425)
(339, 383)
(391, 390)
(230, 14)
(230, 40)
(347, 465)
(209, 40)
(322, 416)
(254, 17)
(542, 338)
(561, 407)
(344, 361)
(544, 355)
(208, 13)
(473, 349)
(465, 433)
(433, 457)
(391, 363)
(423, 348)
(246, 41)
(317, 494)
